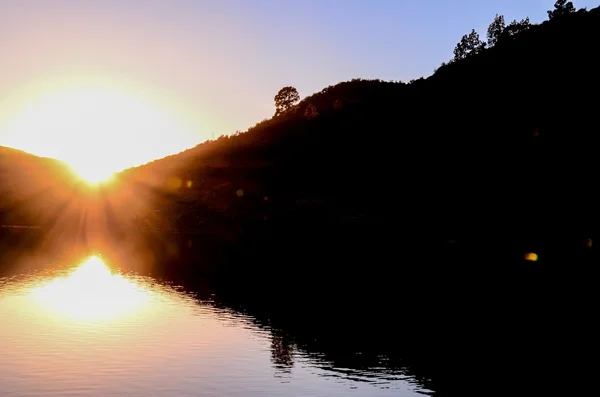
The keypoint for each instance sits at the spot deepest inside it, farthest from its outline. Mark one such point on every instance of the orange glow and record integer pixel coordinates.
(173, 183)
(531, 256)
(98, 128)
(91, 293)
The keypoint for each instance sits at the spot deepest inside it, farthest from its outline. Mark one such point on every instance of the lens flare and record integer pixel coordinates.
(531, 257)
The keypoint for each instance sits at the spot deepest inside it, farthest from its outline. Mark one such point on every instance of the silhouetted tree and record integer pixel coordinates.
(514, 28)
(495, 30)
(561, 7)
(285, 99)
(441, 66)
(470, 44)
(337, 104)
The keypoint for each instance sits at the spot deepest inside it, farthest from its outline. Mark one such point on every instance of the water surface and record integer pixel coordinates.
(95, 331)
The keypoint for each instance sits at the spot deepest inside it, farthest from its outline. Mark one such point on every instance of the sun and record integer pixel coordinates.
(98, 130)
(94, 175)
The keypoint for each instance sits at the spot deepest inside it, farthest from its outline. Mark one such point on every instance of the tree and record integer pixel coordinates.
(495, 30)
(285, 99)
(514, 28)
(561, 7)
(470, 44)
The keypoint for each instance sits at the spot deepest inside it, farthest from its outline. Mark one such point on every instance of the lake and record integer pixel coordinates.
(93, 329)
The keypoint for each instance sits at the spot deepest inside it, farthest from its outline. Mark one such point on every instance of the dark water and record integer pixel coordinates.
(94, 330)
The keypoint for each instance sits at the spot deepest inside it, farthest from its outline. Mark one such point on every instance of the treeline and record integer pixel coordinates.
(498, 32)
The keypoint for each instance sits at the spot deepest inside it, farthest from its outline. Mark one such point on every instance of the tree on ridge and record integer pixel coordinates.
(286, 98)
(495, 30)
(561, 7)
(470, 44)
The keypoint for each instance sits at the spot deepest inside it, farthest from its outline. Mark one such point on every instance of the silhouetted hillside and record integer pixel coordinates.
(495, 150)
(492, 153)
(32, 188)
(42, 202)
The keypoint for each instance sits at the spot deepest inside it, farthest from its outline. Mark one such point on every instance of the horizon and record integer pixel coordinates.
(181, 73)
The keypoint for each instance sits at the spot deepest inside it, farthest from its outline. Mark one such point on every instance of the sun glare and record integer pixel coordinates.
(94, 176)
(98, 130)
(91, 293)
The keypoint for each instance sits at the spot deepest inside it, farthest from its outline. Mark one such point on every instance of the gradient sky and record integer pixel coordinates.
(220, 62)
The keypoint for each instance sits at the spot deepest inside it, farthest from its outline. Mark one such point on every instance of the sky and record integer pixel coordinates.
(209, 67)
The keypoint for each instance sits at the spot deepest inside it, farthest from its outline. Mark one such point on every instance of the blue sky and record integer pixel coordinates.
(223, 61)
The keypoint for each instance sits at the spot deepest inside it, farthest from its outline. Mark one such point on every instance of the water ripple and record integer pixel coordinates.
(93, 331)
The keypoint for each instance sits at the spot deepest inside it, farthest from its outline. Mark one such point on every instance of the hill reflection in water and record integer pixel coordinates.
(92, 328)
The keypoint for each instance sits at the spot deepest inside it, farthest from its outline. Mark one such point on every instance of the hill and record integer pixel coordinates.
(493, 153)
(42, 202)
(495, 150)
(32, 188)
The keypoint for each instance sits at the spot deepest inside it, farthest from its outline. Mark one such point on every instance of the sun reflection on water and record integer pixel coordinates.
(96, 332)
(91, 293)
